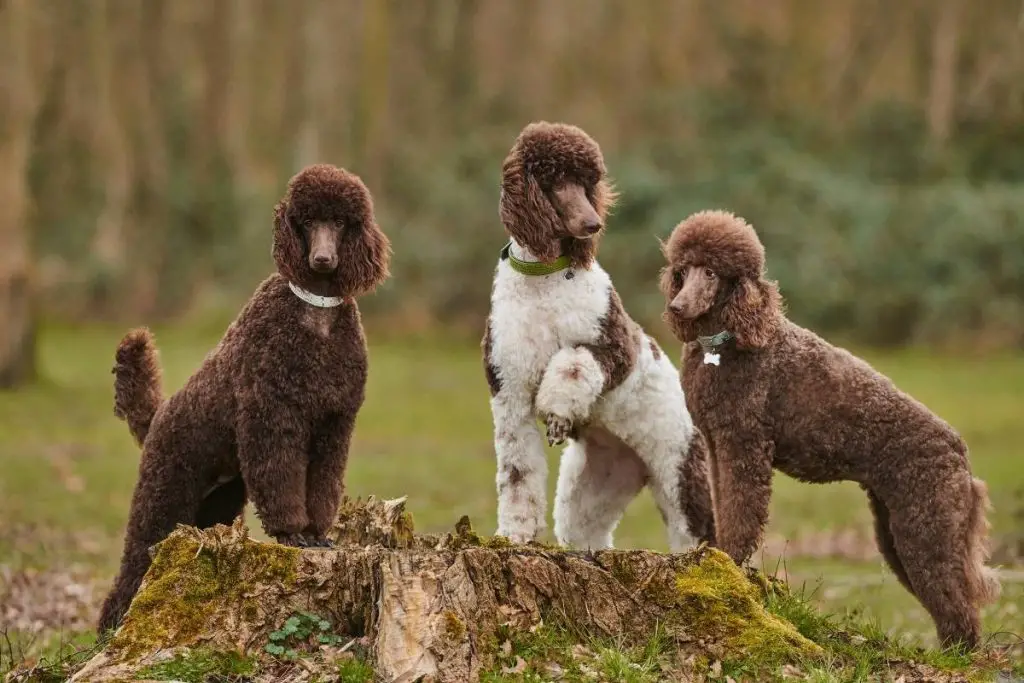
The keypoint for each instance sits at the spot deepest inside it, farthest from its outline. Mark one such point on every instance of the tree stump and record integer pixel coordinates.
(436, 608)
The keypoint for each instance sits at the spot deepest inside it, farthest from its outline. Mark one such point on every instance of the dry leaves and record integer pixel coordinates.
(35, 601)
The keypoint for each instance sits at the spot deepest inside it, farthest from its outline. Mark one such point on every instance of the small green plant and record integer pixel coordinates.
(300, 632)
(203, 666)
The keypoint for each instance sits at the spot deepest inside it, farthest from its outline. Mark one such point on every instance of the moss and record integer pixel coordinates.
(454, 627)
(714, 599)
(186, 578)
(355, 670)
(200, 665)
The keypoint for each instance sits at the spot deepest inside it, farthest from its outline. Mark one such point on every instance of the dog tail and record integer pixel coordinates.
(137, 386)
(982, 580)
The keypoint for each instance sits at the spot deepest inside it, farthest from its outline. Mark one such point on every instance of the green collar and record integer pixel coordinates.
(712, 342)
(533, 267)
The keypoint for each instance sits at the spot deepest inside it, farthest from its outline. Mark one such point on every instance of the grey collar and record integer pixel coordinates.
(315, 299)
(712, 342)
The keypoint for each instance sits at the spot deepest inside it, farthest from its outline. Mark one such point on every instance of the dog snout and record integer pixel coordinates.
(323, 263)
(592, 225)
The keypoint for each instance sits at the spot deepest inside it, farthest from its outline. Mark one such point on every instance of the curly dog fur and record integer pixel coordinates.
(269, 414)
(780, 396)
(561, 346)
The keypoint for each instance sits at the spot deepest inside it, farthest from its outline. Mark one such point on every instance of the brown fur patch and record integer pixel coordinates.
(490, 369)
(655, 349)
(572, 373)
(617, 346)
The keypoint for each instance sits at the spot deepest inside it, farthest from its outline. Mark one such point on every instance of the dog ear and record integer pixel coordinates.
(288, 250)
(527, 213)
(752, 312)
(364, 257)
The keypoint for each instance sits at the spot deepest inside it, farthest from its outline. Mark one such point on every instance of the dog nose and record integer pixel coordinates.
(592, 227)
(322, 259)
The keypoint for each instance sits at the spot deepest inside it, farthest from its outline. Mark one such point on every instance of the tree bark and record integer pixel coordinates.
(18, 108)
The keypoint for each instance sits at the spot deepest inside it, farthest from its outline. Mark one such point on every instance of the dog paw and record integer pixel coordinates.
(519, 538)
(559, 429)
(295, 540)
(321, 542)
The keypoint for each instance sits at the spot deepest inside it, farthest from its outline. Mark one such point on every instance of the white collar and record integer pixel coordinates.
(315, 299)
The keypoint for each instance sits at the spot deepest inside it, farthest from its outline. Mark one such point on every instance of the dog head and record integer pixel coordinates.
(326, 239)
(714, 281)
(555, 194)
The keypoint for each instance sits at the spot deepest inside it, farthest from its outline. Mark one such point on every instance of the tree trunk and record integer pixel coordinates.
(942, 80)
(17, 113)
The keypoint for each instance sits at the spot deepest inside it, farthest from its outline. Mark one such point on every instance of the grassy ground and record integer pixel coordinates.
(67, 468)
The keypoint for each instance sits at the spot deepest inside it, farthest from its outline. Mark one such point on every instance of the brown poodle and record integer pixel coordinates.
(270, 413)
(768, 393)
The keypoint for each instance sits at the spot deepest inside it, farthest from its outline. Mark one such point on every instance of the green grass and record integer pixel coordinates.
(68, 465)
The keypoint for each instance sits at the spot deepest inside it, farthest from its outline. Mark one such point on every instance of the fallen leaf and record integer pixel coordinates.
(517, 668)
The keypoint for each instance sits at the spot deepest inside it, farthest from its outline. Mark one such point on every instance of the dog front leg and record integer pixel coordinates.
(571, 384)
(522, 467)
(742, 474)
(273, 459)
(325, 475)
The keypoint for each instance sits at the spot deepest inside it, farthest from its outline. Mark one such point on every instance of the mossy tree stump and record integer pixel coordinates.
(430, 607)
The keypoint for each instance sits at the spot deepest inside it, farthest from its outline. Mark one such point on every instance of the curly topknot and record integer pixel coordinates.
(719, 240)
(322, 191)
(555, 152)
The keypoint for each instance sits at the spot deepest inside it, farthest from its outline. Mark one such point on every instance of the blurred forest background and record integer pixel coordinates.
(877, 146)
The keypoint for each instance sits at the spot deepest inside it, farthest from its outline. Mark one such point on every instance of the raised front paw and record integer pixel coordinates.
(559, 429)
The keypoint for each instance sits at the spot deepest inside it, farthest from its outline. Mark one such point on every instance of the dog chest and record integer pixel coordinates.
(532, 317)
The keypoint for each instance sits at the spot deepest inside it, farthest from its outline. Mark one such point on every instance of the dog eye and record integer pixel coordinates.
(307, 223)
(338, 223)
(709, 274)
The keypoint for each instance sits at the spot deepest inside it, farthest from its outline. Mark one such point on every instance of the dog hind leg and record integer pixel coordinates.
(160, 502)
(932, 546)
(598, 477)
(886, 543)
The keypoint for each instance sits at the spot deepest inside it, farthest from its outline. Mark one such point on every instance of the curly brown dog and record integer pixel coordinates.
(269, 414)
(768, 393)
(558, 345)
